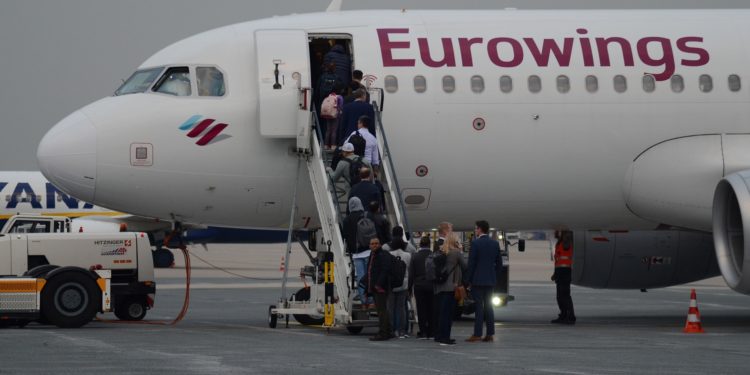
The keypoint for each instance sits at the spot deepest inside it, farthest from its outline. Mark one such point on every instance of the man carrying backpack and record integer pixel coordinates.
(423, 289)
(358, 229)
(401, 251)
(349, 164)
(379, 285)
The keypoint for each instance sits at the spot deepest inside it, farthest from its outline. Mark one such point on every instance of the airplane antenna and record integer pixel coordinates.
(334, 6)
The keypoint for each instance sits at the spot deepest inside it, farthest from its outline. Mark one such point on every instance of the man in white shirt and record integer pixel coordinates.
(371, 144)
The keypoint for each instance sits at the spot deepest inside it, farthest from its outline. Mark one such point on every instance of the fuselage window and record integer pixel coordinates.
(592, 84)
(506, 84)
(175, 81)
(391, 84)
(139, 82)
(563, 84)
(210, 81)
(477, 84)
(621, 83)
(449, 84)
(735, 84)
(677, 83)
(649, 83)
(706, 83)
(535, 84)
(420, 84)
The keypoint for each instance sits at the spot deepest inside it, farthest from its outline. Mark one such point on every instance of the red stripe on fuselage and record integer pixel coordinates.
(200, 128)
(211, 134)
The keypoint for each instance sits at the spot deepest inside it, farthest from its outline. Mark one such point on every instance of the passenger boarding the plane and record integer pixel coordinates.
(366, 190)
(348, 158)
(357, 244)
(353, 112)
(372, 156)
(338, 56)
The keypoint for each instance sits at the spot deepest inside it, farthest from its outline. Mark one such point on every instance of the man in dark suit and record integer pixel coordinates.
(365, 189)
(352, 112)
(485, 263)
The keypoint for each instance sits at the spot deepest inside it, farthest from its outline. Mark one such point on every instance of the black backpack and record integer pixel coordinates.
(354, 167)
(398, 271)
(366, 230)
(328, 83)
(434, 267)
(359, 143)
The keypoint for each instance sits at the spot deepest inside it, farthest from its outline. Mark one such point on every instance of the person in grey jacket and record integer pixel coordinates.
(455, 265)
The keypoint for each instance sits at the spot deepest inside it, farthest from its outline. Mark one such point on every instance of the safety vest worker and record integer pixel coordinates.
(563, 277)
(563, 256)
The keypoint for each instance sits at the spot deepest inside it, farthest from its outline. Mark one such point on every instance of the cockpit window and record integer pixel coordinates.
(210, 81)
(175, 81)
(139, 82)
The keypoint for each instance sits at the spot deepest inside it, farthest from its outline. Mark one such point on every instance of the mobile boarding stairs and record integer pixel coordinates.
(330, 301)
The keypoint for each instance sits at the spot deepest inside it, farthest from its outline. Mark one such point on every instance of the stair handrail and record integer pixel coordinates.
(386, 156)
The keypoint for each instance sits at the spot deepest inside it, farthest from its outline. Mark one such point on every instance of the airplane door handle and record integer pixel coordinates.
(277, 85)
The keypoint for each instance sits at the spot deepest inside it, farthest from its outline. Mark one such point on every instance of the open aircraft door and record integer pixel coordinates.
(284, 93)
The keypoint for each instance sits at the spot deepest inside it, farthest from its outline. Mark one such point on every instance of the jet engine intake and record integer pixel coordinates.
(731, 227)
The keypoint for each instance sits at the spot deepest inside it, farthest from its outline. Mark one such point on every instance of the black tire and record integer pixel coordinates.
(131, 308)
(70, 299)
(355, 330)
(40, 271)
(272, 318)
(308, 320)
(163, 258)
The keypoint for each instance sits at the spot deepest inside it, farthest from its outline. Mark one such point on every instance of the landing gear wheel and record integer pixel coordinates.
(308, 320)
(131, 308)
(355, 330)
(272, 318)
(70, 300)
(163, 258)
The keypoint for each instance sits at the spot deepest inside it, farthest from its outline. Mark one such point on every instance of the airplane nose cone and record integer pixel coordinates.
(67, 156)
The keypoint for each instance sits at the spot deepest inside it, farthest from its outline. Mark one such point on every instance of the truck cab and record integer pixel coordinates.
(31, 223)
(35, 245)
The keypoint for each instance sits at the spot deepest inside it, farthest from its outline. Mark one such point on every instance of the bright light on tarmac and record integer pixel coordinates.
(496, 301)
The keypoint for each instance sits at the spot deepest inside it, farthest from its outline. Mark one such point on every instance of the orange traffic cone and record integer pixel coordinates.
(281, 266)
(693, 323)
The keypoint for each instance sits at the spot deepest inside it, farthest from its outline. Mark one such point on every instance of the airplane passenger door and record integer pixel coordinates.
(284, 94)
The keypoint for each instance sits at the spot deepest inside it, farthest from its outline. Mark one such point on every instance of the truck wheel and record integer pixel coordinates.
(131, 308)
(70, 300)
(39, 271)
(308, 320)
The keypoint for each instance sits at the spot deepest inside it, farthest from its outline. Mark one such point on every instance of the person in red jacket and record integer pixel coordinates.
(562, 277)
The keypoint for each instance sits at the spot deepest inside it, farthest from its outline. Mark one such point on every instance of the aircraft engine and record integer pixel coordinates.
(731, 226)
(642, 259)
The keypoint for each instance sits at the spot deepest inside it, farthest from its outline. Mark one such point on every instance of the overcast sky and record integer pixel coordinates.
(59, 55)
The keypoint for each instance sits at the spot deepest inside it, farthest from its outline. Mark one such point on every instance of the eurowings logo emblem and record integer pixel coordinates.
(209, 130)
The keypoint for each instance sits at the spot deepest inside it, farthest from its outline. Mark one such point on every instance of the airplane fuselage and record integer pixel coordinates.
(525, 119)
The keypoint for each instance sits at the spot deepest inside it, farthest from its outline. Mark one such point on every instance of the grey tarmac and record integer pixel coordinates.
(226, 331)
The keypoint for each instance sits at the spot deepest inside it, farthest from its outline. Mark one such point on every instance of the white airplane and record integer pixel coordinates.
(628, 127)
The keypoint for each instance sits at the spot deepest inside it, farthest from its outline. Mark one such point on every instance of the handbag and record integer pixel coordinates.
(459, 293)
